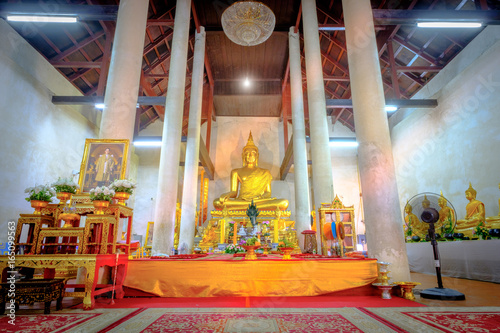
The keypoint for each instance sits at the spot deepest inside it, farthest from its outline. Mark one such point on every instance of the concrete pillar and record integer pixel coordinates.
(301, 177)
(168, 178)
(190, 188)
(122, 89)
(320, 146)
(383, 219)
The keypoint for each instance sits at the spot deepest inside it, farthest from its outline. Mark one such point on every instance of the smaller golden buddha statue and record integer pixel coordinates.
(493, 222)
(418, 228)
(209, 237)
(250, 183)
(474, 213)
(446, 214)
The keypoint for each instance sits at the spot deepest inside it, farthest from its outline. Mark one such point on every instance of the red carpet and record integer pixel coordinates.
(255, 302)
(257, 320)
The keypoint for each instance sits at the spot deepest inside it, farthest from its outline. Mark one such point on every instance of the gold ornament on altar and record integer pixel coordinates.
(123, 188)
(248, 23)
(250, 183)
(39, 197)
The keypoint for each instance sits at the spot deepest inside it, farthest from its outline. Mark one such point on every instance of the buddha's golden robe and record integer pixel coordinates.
(255, 184)
(418, 228)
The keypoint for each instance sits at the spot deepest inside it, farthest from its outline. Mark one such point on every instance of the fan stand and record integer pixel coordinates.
(439, 293)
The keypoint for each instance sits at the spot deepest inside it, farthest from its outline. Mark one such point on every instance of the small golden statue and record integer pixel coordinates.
(250, 183)
(474, 213)
(446, 215)
(493, 222)
(418, 228)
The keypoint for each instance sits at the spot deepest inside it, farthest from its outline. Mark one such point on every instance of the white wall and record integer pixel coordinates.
(39, 141)
(445, 148)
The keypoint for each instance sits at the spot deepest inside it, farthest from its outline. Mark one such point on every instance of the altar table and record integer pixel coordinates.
(91, 263)
(223, 275)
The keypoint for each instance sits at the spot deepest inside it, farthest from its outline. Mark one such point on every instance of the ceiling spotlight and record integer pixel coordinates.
(147, 143)
(246, 83)
(449, 24)
(40, 18)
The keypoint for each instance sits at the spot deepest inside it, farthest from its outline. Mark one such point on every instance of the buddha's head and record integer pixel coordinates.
(250, 153)
(426, 203)
(408, 208)
(470, 193)
(442, 201)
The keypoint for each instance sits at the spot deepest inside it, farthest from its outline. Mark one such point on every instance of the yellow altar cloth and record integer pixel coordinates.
(219, 278)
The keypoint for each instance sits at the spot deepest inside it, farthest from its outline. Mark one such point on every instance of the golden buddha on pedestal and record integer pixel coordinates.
(418, 228)
(474, 213)
(250, 183)
(446, 215)
(493, 222)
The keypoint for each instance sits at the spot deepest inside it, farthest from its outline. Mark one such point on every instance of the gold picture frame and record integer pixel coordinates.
(149, 235)
(104, 160)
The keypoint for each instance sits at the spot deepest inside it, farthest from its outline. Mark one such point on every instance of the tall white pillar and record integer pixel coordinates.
(301, 177)
(320, 145)
(190, 188)
(383, 219)
(122, 89)
(168, 178)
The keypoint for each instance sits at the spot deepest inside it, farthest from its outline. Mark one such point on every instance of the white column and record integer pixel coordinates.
(301, 177)
(383, 219)
(122, 89)
(190, 188)
(320, 146)
(168, 178)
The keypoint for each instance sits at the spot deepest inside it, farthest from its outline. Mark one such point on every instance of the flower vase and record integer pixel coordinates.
(250, 251)
(122, 197)
(100, 206)
(38, 205)
(64, 197)
(286, 251)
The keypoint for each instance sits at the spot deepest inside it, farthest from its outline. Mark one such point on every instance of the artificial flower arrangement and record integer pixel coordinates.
(65, 185)
(40, 192)
(251, 241)
(123, 185)
(231, 248)
(284, 243)
(481, 231)
(102, 193)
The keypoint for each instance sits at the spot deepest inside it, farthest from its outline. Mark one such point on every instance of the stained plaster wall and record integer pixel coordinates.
(39, 141)
(445, 148)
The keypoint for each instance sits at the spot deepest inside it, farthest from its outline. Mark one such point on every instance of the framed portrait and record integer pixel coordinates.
(104, 160)
(149, 235)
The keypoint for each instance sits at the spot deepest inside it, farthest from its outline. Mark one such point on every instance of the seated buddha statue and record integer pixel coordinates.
(474, 213)
(493, 222)
(418, 228)
(250, 183)
(446, 214)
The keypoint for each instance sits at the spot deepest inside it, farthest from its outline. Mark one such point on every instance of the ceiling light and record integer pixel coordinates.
(248, 23)
(147, 143)
(449, 24)
(40, 18)
(391, 108)
(99, 106)
(246, 83)
(343, 142)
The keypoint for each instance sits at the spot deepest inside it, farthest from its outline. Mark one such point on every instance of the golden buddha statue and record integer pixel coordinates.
(250, 183)
(493, 222)
(418, 228)
(474, 213)
(446, 214)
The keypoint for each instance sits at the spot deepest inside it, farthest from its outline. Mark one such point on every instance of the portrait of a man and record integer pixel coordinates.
(103, 162)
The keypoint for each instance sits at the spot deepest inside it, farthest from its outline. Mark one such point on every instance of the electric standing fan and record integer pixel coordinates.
(426, 207)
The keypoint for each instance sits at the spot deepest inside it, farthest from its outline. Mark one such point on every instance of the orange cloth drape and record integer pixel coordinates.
(206, 278)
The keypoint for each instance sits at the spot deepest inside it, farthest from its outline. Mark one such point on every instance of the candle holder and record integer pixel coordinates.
(383, 271)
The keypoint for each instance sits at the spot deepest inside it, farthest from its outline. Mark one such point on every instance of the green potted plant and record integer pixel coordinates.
(65, 187)
(123, 188)
(39, 197)
(101, 198)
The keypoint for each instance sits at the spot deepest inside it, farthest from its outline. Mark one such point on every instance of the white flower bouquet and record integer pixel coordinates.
(102, 193)
(65, 185)
(40, 192)
(123, 185)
